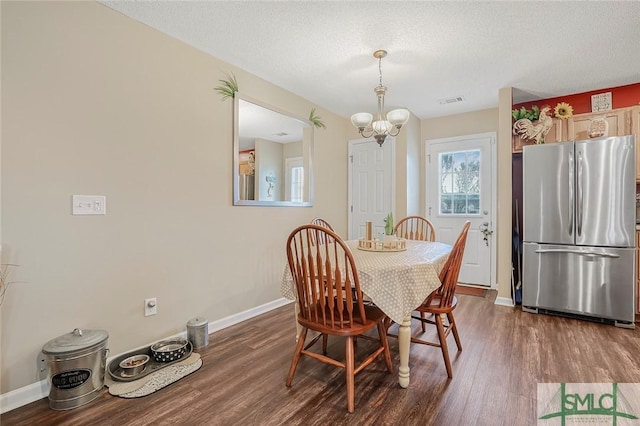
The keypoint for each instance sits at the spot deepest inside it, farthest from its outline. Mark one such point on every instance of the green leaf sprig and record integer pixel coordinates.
(531, 114)
(228, 88)
(316, 120)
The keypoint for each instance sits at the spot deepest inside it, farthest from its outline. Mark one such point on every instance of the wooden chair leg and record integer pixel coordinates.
(385, 344)
(296, 356)
(350, 361)
(443, 345)
(424, 324)
(325, 338)
(454, 329)
(387, 323)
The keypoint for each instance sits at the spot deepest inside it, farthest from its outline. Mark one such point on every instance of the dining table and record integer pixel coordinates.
(396, 281)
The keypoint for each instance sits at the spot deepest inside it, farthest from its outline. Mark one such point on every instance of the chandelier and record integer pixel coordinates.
(380, 128)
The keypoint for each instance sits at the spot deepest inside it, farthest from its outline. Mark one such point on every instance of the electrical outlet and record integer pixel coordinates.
(150, 307)
(89, 204)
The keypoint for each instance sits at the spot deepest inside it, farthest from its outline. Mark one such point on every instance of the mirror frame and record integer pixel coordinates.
(307, 152)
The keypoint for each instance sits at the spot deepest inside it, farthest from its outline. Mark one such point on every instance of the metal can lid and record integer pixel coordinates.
(197, 322)
(74, 341)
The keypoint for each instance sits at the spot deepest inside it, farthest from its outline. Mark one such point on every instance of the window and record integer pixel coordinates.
(459, 174)
(295, 179)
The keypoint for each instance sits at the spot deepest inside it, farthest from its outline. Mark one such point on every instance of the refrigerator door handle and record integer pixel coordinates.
(580, 252)
(571, 195)
(579, 190)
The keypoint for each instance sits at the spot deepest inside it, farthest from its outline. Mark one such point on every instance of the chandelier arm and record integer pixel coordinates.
(396, 133)
(366, 133)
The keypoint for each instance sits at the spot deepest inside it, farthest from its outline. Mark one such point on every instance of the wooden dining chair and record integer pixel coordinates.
(321, 222)
(415, 228)
(330, 302)
(442, 301)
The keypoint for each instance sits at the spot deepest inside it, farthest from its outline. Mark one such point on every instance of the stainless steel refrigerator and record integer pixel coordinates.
(579, 229)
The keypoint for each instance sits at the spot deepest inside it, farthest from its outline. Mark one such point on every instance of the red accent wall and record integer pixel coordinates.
(621, 97)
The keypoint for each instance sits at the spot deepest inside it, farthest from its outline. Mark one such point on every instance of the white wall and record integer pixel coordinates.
(293, 149)
(96, 103)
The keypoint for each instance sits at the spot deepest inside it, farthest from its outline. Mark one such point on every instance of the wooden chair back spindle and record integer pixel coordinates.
(415, 228)
(323, 223)
(451, 269)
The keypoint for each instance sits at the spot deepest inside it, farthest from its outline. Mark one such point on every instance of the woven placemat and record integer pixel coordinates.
(154, 381)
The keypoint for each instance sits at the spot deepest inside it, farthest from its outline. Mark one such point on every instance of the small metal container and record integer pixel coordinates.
(77, 362)
(198, 332)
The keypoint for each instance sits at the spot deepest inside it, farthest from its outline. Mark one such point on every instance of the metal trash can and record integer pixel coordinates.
(198, 332)
(77, 362)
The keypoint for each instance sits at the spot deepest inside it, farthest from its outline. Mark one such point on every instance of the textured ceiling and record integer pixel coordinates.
(323, 50)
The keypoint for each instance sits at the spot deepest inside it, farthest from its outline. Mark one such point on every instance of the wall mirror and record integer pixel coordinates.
(272, 152)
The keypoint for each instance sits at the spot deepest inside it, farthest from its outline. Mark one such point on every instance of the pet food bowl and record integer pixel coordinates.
(169, 350)
(134, 365)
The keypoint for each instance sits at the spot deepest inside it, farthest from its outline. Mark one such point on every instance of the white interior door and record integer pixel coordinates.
(461, 186)
(371, 184)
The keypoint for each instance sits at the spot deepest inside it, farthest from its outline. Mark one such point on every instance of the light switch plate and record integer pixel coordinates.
(89, 204)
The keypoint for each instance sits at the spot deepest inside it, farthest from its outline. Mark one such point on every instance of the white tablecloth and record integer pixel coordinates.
(397, 282)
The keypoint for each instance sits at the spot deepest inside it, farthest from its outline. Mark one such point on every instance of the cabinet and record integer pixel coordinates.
(557, 133)
(619, 121)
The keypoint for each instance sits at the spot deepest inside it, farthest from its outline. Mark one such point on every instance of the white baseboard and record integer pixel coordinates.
(23, 396)
(36, 391)
(504, 301)
(248, 314)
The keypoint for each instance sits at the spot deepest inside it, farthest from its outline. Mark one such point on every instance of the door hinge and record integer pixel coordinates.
(429, 211)
(351, 209)
(429, 158)
(351, 159)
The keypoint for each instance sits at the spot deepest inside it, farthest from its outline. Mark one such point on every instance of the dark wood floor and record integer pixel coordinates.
(506, 353)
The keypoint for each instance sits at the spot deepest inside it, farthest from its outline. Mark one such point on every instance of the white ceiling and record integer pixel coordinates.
(323, 50)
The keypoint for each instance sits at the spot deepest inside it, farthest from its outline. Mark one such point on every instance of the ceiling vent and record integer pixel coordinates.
(451, 100)
(281, 134)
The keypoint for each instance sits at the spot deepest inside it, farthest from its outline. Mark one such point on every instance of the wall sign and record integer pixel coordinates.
(601, 102)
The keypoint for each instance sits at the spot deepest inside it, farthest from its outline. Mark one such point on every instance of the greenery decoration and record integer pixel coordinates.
(229, 86)
(316, 119)
(388, 224)
(530, 114)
